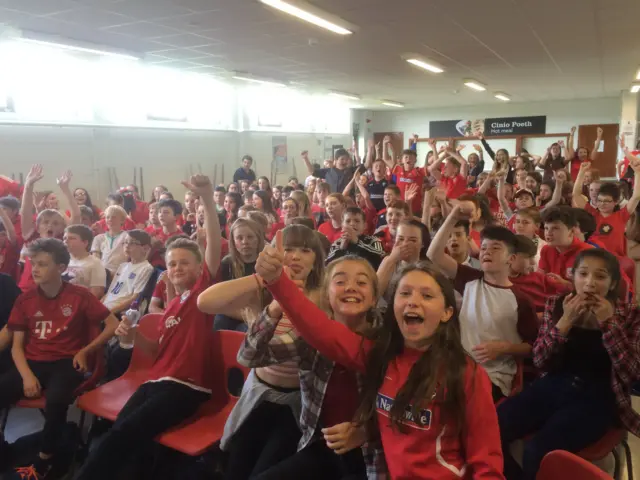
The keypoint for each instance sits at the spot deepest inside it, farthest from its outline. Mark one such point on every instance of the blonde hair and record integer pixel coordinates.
(304, 206)
(115, 209)
(49, 212)
(237, 265)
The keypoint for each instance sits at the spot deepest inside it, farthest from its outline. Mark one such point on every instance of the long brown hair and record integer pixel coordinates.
(439, 370)
(237, 265)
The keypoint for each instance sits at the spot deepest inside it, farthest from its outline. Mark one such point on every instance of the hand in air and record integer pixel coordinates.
(35, 174)
(599, 131)
(477, 147)
(64, 179)
(271, 260)
(200, 185)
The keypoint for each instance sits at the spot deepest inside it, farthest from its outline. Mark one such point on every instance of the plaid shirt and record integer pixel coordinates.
(262, 348)
(621, 339)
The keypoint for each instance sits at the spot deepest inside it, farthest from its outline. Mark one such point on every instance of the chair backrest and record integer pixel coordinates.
(147, 292)
(148, 326)
(561, 465)
(628, 266)
(224, 357)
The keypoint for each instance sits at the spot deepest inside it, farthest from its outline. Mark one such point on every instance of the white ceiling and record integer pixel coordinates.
(534, 50)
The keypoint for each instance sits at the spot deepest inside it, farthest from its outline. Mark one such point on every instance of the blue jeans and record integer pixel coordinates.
(560, 411)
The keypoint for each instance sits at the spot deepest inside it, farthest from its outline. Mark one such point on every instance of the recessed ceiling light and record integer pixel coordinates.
(502, 96)
(475, 85)
(635, 87)
(425, 64)
(350, 96)
(249, 78)
(307, 16)
(389, 103)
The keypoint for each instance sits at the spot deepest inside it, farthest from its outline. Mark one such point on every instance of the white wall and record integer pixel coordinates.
(164, 155)
(561, 115)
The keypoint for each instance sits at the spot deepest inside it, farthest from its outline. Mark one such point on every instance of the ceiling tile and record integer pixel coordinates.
(91, 17)
(142, 29)
(147, 9)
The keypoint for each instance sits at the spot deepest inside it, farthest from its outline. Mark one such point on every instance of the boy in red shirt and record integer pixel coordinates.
(335, 205)
(537, 286)
(168, 213)
(180, 377)
(611, 224)
(396, 213)
(391, 195)
(408, 174)
(54, 327)
(454, 177)
(563, 244)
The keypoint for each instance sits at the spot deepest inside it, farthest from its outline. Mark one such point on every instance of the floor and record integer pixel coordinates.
(22, 422)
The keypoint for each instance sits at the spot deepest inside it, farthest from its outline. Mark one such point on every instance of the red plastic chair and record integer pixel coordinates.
(107, 400)
(198, 434)
(628, 266)
(606, 445)
(561, 465)
(97, 369)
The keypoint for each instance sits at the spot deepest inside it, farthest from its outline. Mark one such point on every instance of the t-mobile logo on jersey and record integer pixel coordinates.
(43, 328)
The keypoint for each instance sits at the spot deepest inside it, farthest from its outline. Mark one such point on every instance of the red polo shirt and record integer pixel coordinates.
(538, 287)
(610, 230)
(328, 231)
(561, 263)
(404, 179)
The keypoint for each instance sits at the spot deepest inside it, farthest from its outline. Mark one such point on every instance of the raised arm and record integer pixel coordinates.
(596, 145)
(429, 196)
(436, 252)
(201, 186)
(486, 145)
(504, 205)
(329, 337)
(556, 197)
(634, 163)
(307, 162)
(368, 161)
(577, 200)
(230, 298)
(388, 266)
(363, 191)
(464, 166)
(434, 168)
(26, 207)
(63, 182)
(563, 148)
(389, 161)
(486, 185)
(570, 150)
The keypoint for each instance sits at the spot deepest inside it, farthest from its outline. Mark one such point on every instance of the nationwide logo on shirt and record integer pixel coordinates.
(423, 422)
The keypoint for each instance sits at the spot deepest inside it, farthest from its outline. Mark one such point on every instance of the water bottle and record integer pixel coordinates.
(133, 316)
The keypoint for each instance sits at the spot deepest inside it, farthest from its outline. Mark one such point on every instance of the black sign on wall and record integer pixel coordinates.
(489, 127)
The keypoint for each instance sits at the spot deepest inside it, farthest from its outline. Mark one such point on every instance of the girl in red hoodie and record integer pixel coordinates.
(432, 404)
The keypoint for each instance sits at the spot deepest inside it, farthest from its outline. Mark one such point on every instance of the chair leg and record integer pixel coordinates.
(616, 464)
(627, 452)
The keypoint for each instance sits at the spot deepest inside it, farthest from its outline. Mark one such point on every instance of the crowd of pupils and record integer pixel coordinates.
(387, 311)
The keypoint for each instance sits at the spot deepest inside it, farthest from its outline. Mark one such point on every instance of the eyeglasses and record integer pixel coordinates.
(604, 202)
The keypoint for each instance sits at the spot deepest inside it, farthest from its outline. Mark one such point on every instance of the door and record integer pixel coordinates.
(397, 141)
(605, 162)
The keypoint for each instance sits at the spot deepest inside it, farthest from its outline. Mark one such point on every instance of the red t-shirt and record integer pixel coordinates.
(387, 240)
(575, 167)
(341, 398)
(184, 354)
(157, 257)
(404, 179)
(274, 229)
(141, 214)
(475, 237)
(552, 261)
(538, 287)
(610, 230)
(151, 230)
(454, 186)
(328, 231)
(371, 217)
(58, 327)
(9, 257)
(160, 291)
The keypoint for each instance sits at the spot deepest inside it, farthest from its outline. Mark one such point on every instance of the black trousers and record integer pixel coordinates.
(318, 462)
(152, 409)
(562, 412)
(58, 380)
(268, 436)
